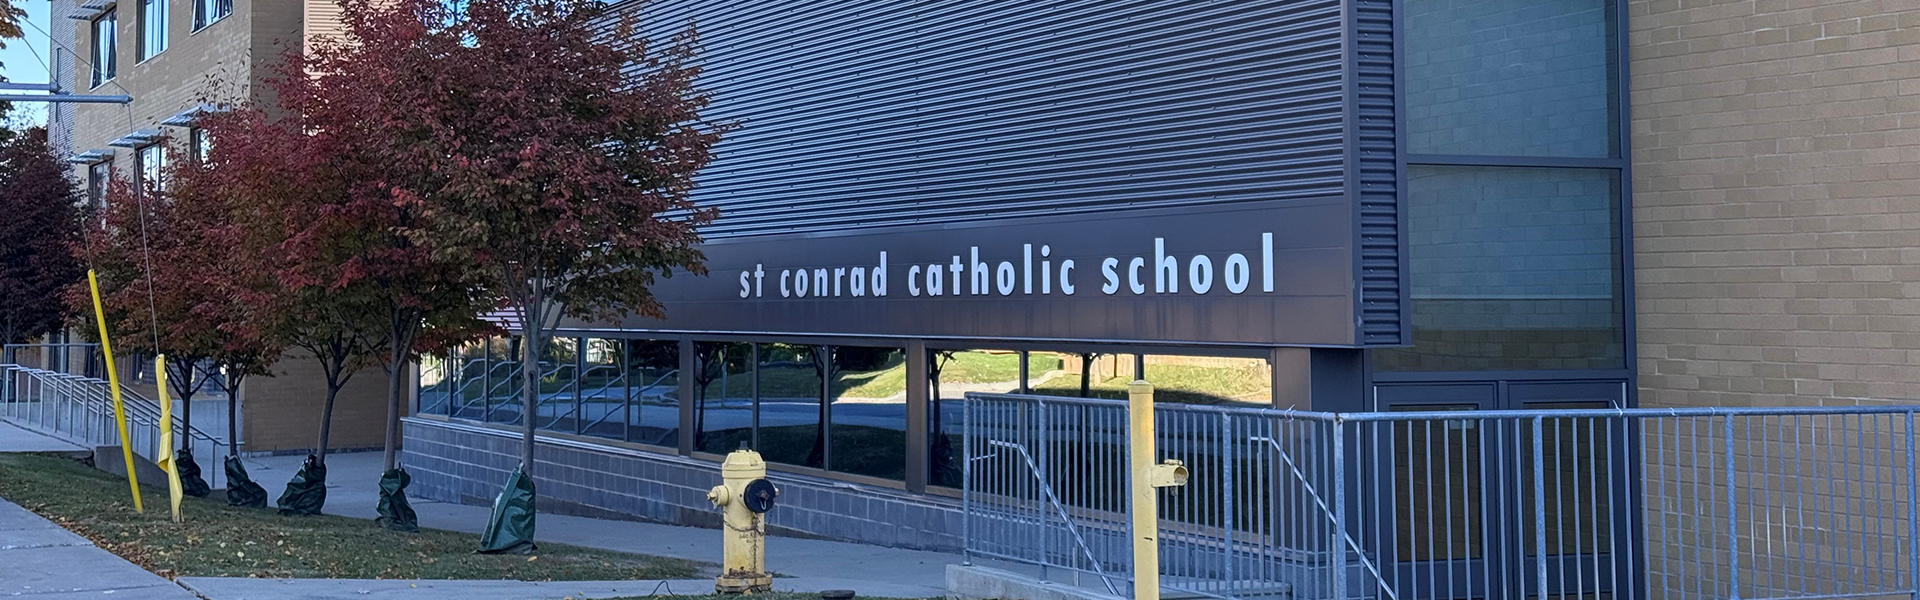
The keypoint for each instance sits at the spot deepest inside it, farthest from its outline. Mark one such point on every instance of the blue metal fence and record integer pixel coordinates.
(1747, 503)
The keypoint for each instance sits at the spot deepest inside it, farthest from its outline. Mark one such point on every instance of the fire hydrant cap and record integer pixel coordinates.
(743, 464)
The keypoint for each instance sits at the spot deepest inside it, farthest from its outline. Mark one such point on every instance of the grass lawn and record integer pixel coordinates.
(221, 541)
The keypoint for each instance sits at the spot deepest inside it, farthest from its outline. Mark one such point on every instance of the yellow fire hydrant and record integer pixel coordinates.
(744, 496)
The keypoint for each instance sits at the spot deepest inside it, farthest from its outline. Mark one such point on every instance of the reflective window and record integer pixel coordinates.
(198, 144)
(603, 389)
(97, 176)
(953, 374)
(503, 380)
(105, 61)
(153, 28)
(1082, 375)
(1510, 77)
(1512, 268)
(470, 365)
(723, 396)
(653, 383)
(558, 404)
(436, 383)
(1210, 379)
(153, 165)
(867, 433)
(206, 12)
(791, 412)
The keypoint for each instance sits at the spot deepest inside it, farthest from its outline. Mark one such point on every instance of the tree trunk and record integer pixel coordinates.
(233, 418)
(326, 423)
(402, 341)
(1086, 372)
(529, 380)
(186, 388)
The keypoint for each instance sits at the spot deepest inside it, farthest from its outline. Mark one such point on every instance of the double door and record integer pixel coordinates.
(1497, 507)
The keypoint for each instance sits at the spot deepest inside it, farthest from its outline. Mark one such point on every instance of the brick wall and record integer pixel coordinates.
(282, 413)
(1776, 200)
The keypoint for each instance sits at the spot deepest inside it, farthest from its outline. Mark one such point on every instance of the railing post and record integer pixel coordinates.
(966, 478)
(1145, 505)
(1540, 507)
(1733, 515)
(1340, 510)
(1043, 435)
(1913, 513)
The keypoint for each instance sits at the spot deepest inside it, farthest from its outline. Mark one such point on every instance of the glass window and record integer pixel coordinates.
(206, 12)
(723, 396)
(503, 380)
(1511, 77)
(603, 389)
(1512, 269)
(1081, 375)
(198, 145)
(653, 383)
(789, 382)
(1210, 380)
(436, 382)
(104, 61)
(153, 28)
(153, 165)
(558, 405)
(470, 367)
(953, 374)
(867, 432)
(98, 174)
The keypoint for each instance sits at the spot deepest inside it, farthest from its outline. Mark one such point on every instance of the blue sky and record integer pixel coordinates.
(18, 59)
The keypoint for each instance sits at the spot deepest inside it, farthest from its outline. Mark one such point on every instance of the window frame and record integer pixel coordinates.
(100, 76)
(98, 174)
(219, 9)
(154, 170)
(153, 29)
(199, 145)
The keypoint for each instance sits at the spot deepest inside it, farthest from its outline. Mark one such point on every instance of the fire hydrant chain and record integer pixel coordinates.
(744, 496)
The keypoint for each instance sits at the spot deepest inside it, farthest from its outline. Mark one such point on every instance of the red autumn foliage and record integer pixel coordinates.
(40, 226)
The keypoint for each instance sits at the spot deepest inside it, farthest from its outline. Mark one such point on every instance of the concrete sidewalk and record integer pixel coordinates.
(14, 438)
(804, 565)
(43, 561)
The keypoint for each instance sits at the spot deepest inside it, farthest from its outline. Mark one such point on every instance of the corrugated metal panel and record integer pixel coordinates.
(873, 113)
(1383, 314)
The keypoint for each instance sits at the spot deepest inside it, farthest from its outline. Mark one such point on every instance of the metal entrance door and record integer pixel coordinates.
(1455, 504)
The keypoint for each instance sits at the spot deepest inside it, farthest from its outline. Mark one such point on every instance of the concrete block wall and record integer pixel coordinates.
(1776, 201)
(468, 463)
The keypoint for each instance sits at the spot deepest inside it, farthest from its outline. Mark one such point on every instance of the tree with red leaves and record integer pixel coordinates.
(37, 234)
(354, 104)
(176, 280)
(568, 145)
(550, 148)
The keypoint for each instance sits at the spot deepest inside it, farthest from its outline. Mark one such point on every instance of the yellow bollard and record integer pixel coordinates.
(1147, 476)
(113, 383)
(744, 495)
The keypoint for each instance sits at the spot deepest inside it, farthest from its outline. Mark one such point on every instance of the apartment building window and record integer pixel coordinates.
(207, 12)
(198, 145)
(153, 28)
(97, 176)
(153, 165)
(103, 48)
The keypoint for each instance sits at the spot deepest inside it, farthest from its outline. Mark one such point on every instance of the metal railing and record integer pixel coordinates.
(80, 410)
(1745, 503)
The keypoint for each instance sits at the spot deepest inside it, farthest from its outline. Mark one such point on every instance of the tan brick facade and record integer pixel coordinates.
(1776, 148)
(283, 412)
(225, 62)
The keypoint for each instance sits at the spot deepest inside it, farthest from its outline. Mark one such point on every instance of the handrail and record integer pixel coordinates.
(1066, 518)
(642, 391)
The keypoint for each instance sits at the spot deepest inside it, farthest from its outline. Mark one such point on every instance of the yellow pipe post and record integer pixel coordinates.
(1146, 506)
(166, 435)
(113, 383)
